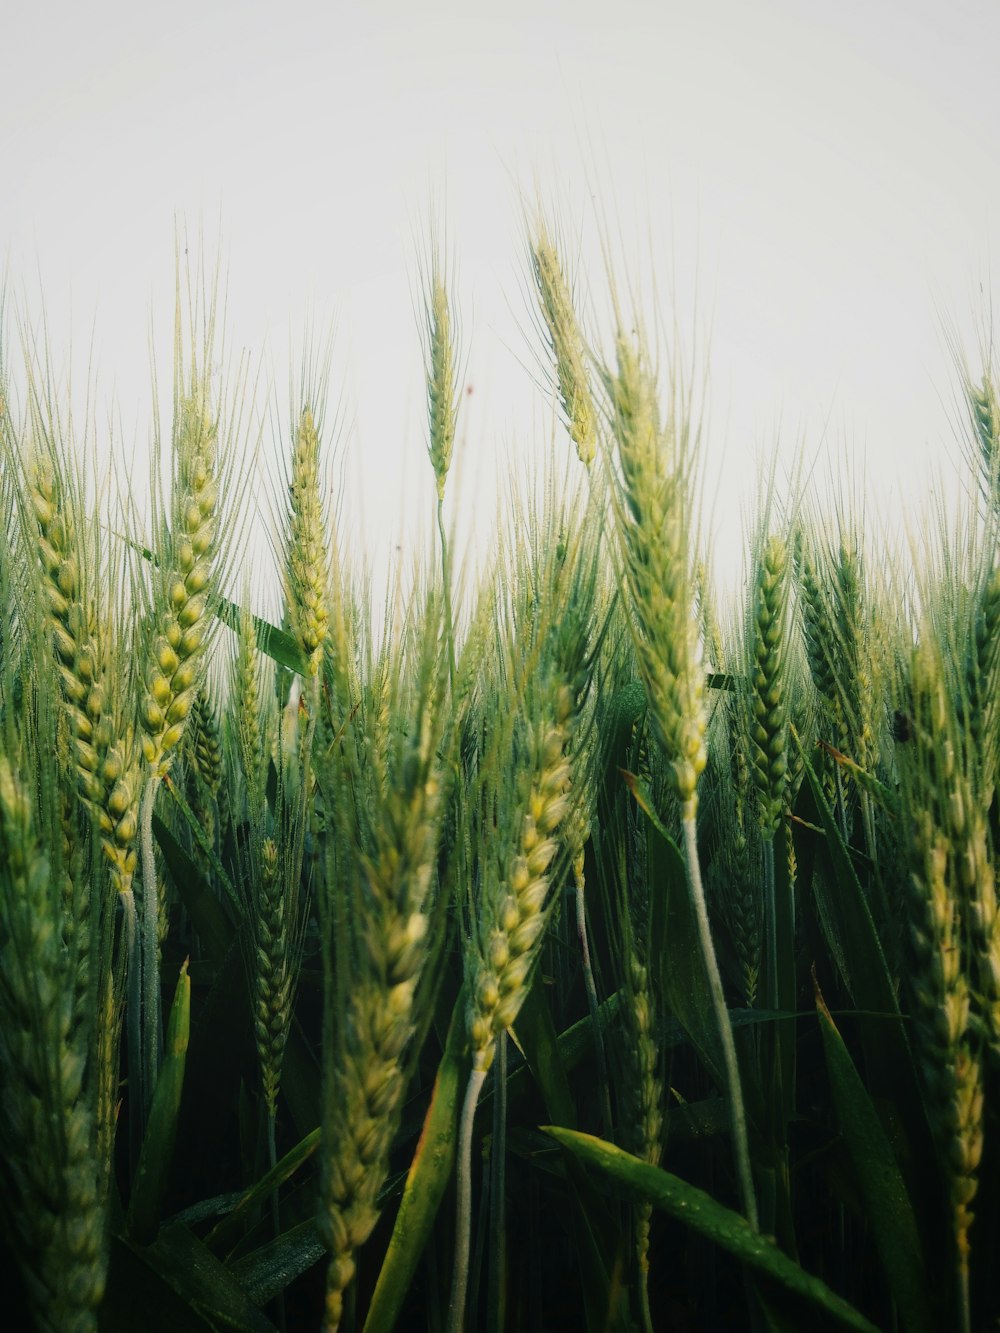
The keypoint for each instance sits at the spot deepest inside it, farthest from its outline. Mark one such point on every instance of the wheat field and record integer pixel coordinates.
(558, 947)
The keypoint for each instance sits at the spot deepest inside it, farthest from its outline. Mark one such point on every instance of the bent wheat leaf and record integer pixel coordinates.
(275, 643)
(206, 912)
(845, 915)
(268, 1271)
(889, 1210)
(157, 1152)
(259, 1193)
(210, 1288)
(698, 1210)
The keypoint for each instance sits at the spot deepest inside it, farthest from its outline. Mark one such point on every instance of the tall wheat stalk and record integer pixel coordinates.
(442, 377)
(545, 646)
(652, 499)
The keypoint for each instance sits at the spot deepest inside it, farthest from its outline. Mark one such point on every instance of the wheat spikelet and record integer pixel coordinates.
(939, 803)
(654, 527)
(207, 743)
(544, 643)
(859, 665)
(859, 674)
(306, 546)
(509, 937)
(177, 635)
(736, 864)
(738, 879)
(368, 1089)
(551, 631)
(441, 350)
(379, 938)
(982, 686)
(984, 417)
(48, 1127)
(648, 1098)
(973, 801)
(652, 506)
(203, 771)
(565, 343)
(977, 876)
(273, 975)
(768, 701)
(108, 1011)
(820, 637)
(102, 757)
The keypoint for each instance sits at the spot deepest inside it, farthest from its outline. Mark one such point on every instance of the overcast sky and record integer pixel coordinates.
(817, 185)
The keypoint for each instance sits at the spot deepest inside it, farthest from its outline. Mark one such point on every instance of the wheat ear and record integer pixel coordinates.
(441, 350)
(946, 856)
(174, 658)
(555, 300)
(103, 758)
(51, 1143)
(103, 751)
(769, 720)
(648, 1096)
(378, 918)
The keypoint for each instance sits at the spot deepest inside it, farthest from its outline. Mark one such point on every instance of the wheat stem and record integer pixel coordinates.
(590, 985)
(737, 1115)
(770, 907)
(644, 1310)
(150, 944)
(446, 585)
(496, 1278)
(463, 1211)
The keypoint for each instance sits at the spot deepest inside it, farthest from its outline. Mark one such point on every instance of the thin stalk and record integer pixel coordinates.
(481, 1234)
(307, 744)
(869, 821)
(770, 907)
(841, 803)
(272, 1162)
(133, 964)
(150, 949)
(737, 1114)
(879, 900)
(964, 1306)
(647, 1318)
(301, 820)
(592, 1003)
(446, 579)
(463, 1213)
(496, 1288)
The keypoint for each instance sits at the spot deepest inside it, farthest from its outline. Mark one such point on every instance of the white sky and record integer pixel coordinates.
(818, 182)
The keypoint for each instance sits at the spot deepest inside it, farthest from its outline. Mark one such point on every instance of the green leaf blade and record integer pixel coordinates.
(890, 1212)
(429, 1174)
(703, 1214)
(157, 1152)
